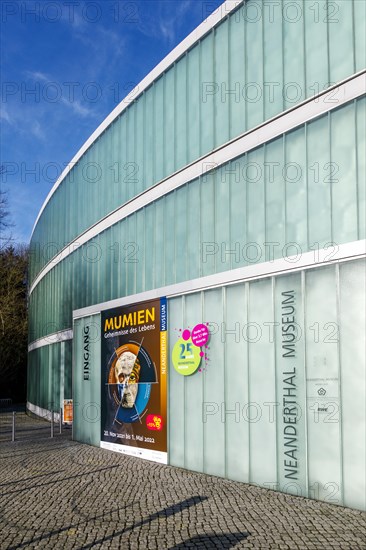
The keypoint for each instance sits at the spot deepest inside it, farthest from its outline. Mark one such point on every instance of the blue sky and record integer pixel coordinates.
(80, 58)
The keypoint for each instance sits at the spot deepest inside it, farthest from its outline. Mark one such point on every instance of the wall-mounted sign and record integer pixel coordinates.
(187, 351)
(134, 380)
(67, 411)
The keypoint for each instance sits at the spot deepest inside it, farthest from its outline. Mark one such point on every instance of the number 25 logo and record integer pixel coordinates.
(185, 350)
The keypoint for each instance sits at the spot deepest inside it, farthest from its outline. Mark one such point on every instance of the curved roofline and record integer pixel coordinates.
(199, 32)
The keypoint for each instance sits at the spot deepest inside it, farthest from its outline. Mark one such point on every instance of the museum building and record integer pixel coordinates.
(197, 276)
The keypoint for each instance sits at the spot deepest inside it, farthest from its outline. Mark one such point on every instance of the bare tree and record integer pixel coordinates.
(5, 222)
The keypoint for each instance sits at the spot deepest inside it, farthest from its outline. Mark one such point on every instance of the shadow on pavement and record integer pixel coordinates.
(224, 540)
(165, 512)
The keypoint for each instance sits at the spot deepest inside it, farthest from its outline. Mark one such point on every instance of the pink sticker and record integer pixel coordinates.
(200, 335)
(186, 334)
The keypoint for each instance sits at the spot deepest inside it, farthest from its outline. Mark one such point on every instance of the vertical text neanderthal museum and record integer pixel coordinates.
(197, 277)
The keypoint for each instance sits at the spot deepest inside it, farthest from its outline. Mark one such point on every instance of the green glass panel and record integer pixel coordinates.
(193, 391)
(131, 165)
(207, 218)
(181, 112)
(68, 370)
(236, 384)
(295, 177)
(86, 392)
(236, 62)
(352, 355)
(131, 255)
(360, 35)
(159, 126)
(290, 385)
(361, 165)
(169, 108)
(140, 176)
(273, 63)
(293, 53)
(341, 39)
(322, 363)
(262, 432)
(169, 244)
(223, 97)
(319, 196)
(343, 174)
(140, 251)
(126, 167)
(226, 254)
(254, 179)
(208, 89)
(180, 230)
(119, 162)
(213, 393)
(149, 247)
(238, 210)
(159, 252)
(254, 71)
(149, 137)
(275, 199)
(193, 104)
(316, 47)
(193, 247)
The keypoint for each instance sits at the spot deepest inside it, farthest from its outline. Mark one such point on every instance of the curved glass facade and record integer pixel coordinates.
(249, 68)
(301, 192)
(286, 191)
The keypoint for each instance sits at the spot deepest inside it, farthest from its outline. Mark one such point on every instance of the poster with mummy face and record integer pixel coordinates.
(134, 380)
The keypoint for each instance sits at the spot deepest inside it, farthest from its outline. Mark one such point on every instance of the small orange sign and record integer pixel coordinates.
(154, 422)
(67, 412)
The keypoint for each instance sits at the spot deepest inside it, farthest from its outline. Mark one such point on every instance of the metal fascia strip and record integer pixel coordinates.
(53, 338)
(346, 252)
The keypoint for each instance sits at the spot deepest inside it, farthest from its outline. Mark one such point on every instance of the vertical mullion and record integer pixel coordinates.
(306, 439)
(340, 426)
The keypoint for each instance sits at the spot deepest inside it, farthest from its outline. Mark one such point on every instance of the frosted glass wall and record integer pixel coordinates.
(49, 375)
(255, 64)
(285, 413)
(289, 418)
(298, 193)
(280, 401)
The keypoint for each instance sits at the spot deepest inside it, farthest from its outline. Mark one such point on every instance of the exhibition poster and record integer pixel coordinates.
(134, 380)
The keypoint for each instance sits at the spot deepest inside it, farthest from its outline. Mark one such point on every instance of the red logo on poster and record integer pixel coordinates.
(154, 422)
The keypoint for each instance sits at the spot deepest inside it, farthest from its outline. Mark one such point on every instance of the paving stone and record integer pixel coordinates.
(57, 493)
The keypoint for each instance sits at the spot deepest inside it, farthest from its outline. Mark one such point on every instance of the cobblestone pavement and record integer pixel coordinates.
(56, 493)
(25, 428)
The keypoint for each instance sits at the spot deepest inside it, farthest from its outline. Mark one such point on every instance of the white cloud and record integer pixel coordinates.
(37, 75)
(4, 114)
(74, 104)
(78, 108)
(37, 130)
(163, 19)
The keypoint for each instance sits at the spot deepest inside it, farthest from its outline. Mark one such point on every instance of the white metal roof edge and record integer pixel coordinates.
(355, 250)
